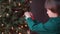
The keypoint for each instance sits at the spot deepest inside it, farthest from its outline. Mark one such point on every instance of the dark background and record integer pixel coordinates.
(38, 10)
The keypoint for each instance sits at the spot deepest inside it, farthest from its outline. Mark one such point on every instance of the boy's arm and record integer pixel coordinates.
(50, 25)
(35, 27)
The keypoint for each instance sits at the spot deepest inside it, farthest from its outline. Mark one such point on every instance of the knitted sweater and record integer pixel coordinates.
(52, 26)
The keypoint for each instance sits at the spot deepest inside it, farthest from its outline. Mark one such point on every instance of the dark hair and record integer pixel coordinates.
(53, 5)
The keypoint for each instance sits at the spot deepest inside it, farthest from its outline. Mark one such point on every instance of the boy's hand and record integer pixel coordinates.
(27, 14)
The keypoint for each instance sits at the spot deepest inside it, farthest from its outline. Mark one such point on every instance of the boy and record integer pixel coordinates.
(52, 26)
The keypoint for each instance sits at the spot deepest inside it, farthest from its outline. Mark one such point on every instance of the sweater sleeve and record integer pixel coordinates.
(40, 27)
(35, 27)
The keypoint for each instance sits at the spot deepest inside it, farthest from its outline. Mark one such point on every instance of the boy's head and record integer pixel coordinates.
(53, 6)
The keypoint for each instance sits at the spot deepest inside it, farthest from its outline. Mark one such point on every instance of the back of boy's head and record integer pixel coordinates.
(53, 5)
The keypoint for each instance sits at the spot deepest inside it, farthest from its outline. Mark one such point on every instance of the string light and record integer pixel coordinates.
(21, 26)
(2, 24)
(12, 28)
(28, 31)
(19, 33)
(9, 1)
(14, 3)
(7, 14)
(19, 4)
(9, 33)
(16, 31)
(16, 11)
(2, 32)
(25, 25)
(30, 1)
(0, 15)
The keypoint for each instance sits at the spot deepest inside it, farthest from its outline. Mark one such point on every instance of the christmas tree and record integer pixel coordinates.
(11, 16)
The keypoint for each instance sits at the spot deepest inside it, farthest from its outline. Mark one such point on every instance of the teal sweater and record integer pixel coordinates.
(52, 26)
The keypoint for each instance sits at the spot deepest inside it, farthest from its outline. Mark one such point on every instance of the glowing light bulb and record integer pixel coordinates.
(19, 4)
(30, 1)
(25, 25)
(12, 28)
(21, 26)
(7, 14)
(2, 24)
(0, 15)
(16, 11)
(19, 33)
(2, 32)
(28, 31)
